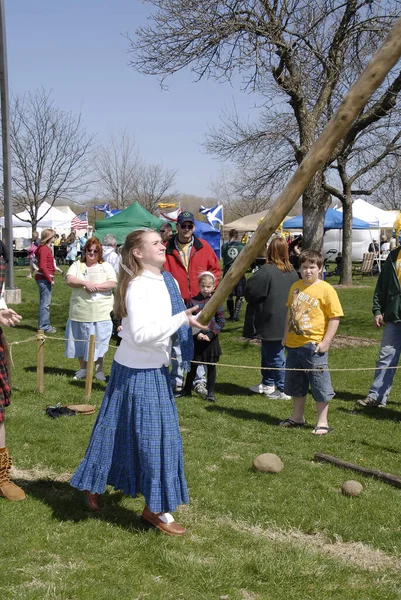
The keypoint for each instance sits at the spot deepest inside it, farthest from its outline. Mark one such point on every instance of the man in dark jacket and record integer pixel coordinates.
(386, 312)
(186, 258)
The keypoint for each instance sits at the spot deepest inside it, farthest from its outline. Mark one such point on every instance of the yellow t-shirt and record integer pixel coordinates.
(398, 265)
(185, 251)
(310, 308)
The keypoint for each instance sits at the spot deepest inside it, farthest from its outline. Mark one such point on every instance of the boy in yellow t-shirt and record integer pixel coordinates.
(312, 321)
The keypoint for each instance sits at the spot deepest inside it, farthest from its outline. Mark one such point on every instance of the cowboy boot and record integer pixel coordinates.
(8, 489)
(238, 304)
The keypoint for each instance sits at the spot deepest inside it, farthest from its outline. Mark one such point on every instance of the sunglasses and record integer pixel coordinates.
(92, 251)
(187, 226)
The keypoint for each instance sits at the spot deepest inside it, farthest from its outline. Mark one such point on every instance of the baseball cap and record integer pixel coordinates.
(185, 216)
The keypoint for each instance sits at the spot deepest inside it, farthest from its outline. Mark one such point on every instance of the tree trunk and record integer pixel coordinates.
(346, 268)
(315, 202)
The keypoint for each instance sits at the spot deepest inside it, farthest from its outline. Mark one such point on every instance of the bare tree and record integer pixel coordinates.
(366, 164)
(50, 152)
(117, 166)
(126, 177)
(389, 195)
(294, 54)
(153, 185)
(232, 189)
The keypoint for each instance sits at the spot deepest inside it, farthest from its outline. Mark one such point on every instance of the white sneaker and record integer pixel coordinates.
(277, 395)
(81, 374)
(100, 376)
(262, 389)
(201, 389)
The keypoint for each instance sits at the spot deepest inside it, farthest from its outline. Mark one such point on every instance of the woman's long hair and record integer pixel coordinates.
(277, 254)
(130, 268)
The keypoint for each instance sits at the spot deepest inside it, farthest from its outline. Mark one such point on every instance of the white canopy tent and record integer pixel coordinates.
(375, 216)
(47, 217)
(58, 219)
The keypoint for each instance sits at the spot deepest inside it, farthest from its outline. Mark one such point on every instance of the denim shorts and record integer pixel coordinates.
(297, 382)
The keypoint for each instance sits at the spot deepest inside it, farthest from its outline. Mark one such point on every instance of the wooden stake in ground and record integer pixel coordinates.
(40, 368)
(382, 62)
(386, 477)
(89, 366)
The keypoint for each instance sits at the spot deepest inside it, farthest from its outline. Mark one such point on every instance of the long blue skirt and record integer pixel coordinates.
(136, 444)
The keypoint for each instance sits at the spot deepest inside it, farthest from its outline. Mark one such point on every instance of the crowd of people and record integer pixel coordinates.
(161, 283)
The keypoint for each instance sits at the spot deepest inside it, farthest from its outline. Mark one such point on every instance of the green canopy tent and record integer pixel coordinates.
(133, 217)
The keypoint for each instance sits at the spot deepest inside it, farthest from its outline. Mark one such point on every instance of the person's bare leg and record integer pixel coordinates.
(322, 422)
(82, 363)
(298, 409)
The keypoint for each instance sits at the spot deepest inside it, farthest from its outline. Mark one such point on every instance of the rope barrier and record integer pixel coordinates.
(219, 364)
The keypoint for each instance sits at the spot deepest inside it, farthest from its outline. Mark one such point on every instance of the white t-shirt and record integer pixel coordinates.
(147, 330)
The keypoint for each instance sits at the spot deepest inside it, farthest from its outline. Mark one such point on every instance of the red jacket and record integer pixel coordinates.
(45, 264)
(202, 258)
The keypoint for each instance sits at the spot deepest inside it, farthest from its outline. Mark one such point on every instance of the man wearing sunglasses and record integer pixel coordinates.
(186, 257)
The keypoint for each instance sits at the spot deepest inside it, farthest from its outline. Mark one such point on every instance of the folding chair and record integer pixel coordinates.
(366, 267)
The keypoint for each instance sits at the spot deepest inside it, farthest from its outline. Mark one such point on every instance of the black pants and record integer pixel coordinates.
(210, 381)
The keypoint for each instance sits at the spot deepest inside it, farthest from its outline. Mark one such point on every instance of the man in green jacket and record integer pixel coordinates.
(386, 313)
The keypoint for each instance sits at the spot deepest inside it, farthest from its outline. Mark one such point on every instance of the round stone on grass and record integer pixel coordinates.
(268, 463)
(352, 488)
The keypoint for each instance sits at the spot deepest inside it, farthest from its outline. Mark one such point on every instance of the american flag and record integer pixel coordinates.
(80, 221)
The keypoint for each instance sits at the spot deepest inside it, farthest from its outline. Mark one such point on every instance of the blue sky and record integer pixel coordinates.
(77, 49)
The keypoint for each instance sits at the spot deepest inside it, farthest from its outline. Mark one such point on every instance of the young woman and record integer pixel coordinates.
(136, 443)
(267, 293)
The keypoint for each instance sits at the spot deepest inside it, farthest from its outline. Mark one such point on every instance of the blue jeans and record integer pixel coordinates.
(389, 356)
(177, 374)
(45, 296)
(273, 357)
(297, 382)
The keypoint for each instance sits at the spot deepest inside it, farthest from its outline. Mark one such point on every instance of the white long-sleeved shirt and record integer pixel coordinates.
(147, 330)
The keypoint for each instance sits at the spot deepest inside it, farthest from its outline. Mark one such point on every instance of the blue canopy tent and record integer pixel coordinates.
(206, 232)
(332, 220)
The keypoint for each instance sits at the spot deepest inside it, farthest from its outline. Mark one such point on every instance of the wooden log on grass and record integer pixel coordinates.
(40, 367)
(386, 477)
(90, 366)
(373, 75)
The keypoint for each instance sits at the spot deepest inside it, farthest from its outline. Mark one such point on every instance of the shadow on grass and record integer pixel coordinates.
(96, 385)
(347, 396)
(27, 327)
(240, 413)
(67, 504)
(377, 446)
(380, 414)
(232, 389)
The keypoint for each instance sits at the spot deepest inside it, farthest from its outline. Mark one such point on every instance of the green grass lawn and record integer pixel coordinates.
(251, 536)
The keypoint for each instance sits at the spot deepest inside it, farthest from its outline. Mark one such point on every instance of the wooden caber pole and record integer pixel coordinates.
(382, 62)
(386, 477)
(90, 366)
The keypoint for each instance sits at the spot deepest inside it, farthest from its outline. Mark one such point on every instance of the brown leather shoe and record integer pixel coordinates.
(154, 520)
(91, 500)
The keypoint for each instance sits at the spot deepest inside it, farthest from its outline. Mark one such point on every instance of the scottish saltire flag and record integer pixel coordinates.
(102, 207)
(111, 213)
(213, 214)
(80, 221)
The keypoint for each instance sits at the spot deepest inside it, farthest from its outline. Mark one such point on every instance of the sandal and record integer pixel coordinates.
(289, 423)
(323, 430)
